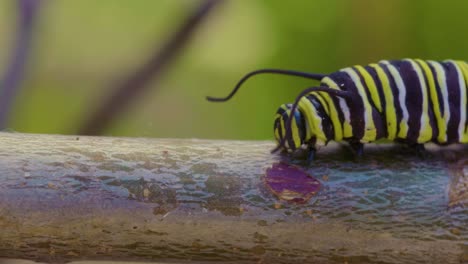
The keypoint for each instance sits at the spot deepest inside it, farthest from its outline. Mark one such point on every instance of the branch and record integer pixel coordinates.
(66, 198)
(137, 83)
(10, 82)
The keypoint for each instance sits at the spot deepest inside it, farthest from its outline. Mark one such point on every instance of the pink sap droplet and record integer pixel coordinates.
(291, 183)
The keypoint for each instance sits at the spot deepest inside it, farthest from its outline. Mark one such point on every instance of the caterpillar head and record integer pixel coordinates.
(297, 133)
(292, 133)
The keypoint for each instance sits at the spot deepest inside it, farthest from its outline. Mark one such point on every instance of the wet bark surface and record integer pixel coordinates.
(66, 198)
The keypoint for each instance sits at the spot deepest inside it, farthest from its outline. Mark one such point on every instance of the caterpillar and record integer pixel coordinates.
(411, 101)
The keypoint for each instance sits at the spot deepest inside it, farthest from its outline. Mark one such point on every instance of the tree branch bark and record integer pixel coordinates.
(66, 198)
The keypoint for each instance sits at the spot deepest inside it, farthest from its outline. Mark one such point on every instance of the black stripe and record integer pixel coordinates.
(453, 100)
(290, 140)
(299, 117)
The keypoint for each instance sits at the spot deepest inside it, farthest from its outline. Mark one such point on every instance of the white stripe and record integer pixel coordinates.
(461, 84)
(441, 79)
(345, 110)
(343, 105)
(401, 91)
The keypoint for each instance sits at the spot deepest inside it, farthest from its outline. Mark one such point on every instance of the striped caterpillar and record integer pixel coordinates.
(408, 101)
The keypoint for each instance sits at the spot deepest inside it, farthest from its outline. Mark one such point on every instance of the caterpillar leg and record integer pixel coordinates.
(311, 154)
(420, 150)
(311, 150)
(357, 147)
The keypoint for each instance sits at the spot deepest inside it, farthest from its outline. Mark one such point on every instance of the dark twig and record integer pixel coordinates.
(137, 83)
(14, 74)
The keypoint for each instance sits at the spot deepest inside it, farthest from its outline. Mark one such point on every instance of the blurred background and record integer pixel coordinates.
(61, 62)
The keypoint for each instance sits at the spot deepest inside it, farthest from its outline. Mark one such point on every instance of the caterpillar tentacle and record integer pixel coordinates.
(313, 76)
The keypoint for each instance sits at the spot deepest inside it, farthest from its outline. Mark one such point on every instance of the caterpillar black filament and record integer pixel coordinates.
(409, 101)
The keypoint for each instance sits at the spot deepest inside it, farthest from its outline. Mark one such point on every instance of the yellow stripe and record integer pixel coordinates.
(276, 128)
(282, 127)
(319, 97)
(313, 119)
(308, 110)
(370, 132)
(285, 108)
(371, 86)
(340, 131)
(390, 112)
(277, 134)
(295, 133)
(463, 104)
(425, 132)
(441, 137)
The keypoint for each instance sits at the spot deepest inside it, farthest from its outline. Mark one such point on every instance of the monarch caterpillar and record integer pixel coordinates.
(410, 101)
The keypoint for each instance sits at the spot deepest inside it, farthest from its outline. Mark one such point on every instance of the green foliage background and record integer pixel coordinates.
(84, 46)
